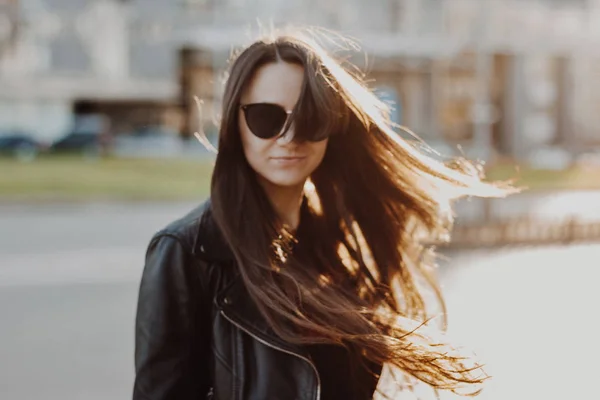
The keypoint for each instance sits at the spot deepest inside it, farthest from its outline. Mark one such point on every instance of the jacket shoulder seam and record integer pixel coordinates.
(174, 235)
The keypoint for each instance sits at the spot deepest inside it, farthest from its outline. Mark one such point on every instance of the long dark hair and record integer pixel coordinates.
(376, 202)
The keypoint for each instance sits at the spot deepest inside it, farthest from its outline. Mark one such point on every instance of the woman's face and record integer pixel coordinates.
(281, 161)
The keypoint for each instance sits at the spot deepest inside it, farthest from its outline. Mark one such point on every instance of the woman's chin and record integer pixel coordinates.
(285, 181)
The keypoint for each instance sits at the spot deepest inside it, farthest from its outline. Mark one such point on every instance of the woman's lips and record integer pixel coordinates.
(288, 160)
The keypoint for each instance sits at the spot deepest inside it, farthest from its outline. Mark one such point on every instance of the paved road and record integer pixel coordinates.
(68, 282)
(69, 275)
(532, 314)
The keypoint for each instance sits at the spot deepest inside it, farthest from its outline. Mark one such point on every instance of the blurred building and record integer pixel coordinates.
(508, 75)
(73, 56)
(496, 76)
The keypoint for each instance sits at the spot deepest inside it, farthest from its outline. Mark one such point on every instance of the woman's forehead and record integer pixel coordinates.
(277, 83)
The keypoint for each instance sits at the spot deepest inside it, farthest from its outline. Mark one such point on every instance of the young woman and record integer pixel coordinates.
(300, 277)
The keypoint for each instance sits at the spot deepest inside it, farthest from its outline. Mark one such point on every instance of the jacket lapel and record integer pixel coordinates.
(236, 303)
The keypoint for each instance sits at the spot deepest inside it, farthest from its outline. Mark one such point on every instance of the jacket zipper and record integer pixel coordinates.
(279, 349)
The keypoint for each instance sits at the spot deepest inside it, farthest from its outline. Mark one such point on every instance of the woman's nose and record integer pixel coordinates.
(286, 137)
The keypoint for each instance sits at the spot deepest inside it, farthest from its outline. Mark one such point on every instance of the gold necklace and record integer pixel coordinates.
(284, 245)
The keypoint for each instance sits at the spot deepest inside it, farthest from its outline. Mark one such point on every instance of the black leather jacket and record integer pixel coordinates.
(198, 335)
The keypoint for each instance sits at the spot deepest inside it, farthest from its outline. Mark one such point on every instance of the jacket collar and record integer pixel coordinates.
(209, 243)
(237, 306)
(233, 299)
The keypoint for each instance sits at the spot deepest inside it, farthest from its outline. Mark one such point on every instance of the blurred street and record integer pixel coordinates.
(68, 286)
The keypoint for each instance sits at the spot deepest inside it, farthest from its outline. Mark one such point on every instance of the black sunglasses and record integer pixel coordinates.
(267, 120)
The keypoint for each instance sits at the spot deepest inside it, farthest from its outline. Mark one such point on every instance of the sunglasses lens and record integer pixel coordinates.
(265, 120)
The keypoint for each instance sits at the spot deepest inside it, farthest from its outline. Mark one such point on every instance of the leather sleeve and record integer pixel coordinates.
(172, 341)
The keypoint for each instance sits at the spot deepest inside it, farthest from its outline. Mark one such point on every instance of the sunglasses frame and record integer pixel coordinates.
(244, 108)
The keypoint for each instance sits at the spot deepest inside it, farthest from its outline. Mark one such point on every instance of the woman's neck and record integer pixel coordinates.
(287, 202)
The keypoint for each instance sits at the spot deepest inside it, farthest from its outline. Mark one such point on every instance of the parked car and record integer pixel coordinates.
(589, 158)
(154, 131)
(84, 138)
(150, 141)
(84, 142)
(20, 145)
